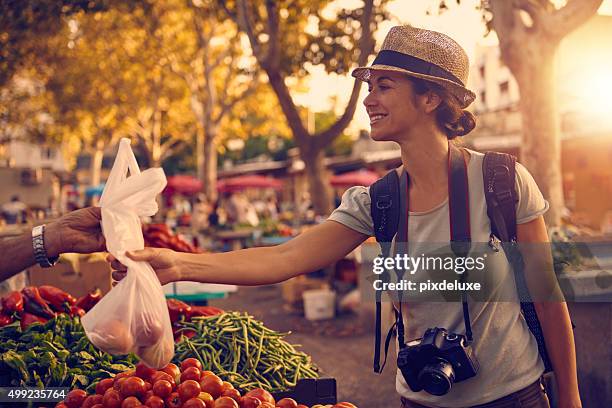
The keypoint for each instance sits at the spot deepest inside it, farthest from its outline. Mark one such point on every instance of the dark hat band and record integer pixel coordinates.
(414, 64)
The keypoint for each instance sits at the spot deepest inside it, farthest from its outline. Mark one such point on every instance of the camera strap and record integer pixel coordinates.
(383, 216)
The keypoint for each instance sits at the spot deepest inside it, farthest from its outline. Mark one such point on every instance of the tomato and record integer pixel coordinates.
(191, 362)
(188, 389)
(160, 375)
(173, 371)
(147, 395)
(174, 401)
(98, 406)
(227, 386)
(225, 402)
(207, 398)
(133, 386)
(118, 382)
(61, 405)
(249, 402)
(267, 404)
(128, 373)
(191, 373)
(143, 371)
(75, 398)
(104, 385)
(92, 400)
(131, 402)
(162, 388)
(233, 393)
(148, 386)
(194, 403)
(111, 399)
(287, 403)
(344, 405)
(301, 406)
(263, 395)
(205, 373)
(154, 402)
(212, 385)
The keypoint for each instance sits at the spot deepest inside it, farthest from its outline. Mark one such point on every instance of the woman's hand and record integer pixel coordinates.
(163, 261)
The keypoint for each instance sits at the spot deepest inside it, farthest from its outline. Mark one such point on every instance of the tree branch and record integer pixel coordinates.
(273, 55)
(366, 45)
(244, 22)
(510, 30)
(572, 15)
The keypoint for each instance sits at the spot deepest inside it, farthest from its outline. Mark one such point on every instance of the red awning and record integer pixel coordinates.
(248, 181)
(183, 184)
(354, 178)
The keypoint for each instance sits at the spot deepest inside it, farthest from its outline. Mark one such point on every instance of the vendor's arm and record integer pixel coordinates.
(315, 248)
(551, 309)
(78, 231)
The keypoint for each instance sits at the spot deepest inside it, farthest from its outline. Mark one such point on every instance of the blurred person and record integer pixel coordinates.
(78, 231)
(417, 99)
(271, 208)
(15, 211)
(201, 211)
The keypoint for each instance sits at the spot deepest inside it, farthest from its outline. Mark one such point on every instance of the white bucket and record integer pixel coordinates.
(319, 304)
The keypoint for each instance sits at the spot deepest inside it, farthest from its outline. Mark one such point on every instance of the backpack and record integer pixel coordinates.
(499, 180)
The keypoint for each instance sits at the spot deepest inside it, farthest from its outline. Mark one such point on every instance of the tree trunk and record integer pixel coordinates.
(210, 164)
(200, 154)
(541, 146)
(320, 191)
(96, 163)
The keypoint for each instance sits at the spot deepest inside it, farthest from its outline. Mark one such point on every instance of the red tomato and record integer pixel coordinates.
(249, 402)
(162, 388)
(98, 406)
(287, 403)
(111, 399)
(301, 406)
(227, 386)
(147, 395)
(194, 403)
(233, 393)
(207, 398)
(263, 395)
(191, 362)
(225, 402)
(118, 382)
(191, 373)
(92, 400)
(174, 401)
(143, 371)
(133, 386)
(160, 375)
(188, 389)
(344, 405)
(173, 371)
(75, 398)
(61, 405)
(212, 385)
(205, 373)
(267, 404)
(104, 385)
(154, 402)
(131, 402)
(128, 373)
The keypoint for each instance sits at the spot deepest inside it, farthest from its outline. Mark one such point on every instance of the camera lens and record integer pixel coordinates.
(437, 378)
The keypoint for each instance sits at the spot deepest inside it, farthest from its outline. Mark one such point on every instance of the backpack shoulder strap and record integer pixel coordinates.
(499, 174)
(499, 177)
(385, 209)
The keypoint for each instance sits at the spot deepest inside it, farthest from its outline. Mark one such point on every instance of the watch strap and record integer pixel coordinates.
(38, 244)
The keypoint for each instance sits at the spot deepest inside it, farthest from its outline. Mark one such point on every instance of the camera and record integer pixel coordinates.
(436, 361)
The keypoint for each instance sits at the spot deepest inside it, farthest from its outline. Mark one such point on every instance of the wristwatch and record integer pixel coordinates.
(38, 243)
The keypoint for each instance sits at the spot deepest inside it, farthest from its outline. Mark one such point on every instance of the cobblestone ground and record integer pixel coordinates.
(342, 347)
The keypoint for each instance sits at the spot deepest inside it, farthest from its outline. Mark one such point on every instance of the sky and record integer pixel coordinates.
(462, 23)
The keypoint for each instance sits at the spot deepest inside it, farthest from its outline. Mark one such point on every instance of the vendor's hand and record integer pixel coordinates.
(78, 231)
(163, 261)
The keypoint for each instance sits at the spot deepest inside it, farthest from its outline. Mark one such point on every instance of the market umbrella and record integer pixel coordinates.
(354, 178)
(183, 184)
(248, 181)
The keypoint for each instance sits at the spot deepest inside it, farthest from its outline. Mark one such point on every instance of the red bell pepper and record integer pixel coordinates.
(88, 301)
(59, 300)
(12, 303)
(27, 319)
(35, 304)
(204, 311)
(76, 311)
(176, 308)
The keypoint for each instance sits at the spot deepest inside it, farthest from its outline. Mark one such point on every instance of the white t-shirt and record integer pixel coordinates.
(506, 350)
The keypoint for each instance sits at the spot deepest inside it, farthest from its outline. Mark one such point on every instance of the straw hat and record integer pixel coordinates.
(423, 54)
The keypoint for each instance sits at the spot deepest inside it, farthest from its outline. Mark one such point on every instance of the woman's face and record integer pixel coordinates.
(391, 105)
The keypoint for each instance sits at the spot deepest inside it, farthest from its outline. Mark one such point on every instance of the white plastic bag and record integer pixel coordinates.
(133, 316)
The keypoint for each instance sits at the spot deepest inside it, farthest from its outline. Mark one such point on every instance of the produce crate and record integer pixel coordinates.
(311, 391)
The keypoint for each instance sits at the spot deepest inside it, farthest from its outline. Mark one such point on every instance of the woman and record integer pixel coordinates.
(416, 98)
